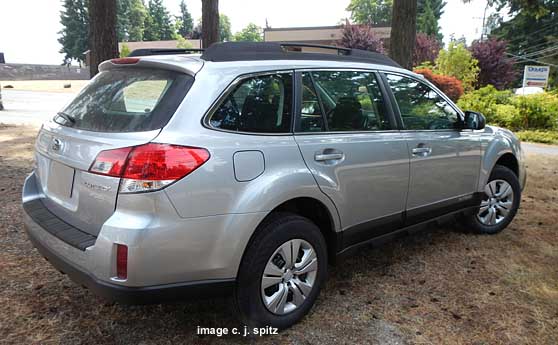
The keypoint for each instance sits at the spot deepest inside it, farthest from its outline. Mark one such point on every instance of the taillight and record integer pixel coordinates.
(149, 167)
(111, 162)
(121, 261)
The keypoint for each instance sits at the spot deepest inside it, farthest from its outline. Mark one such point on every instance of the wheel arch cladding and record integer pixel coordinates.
(316, 211)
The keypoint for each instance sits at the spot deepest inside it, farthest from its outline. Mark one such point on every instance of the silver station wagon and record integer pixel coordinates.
(249, 168)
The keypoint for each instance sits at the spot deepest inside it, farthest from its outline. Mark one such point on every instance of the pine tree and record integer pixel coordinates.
(225, 32)
(429, 13)
(122, 19)
(136, 20)
(75, 30)
(158, 25)
(186, 24)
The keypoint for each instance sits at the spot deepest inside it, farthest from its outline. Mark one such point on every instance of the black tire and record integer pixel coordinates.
(274, 232)
(471, 222)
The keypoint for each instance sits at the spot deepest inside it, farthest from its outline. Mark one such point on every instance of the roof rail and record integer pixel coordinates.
(163, 51)
(251, 51)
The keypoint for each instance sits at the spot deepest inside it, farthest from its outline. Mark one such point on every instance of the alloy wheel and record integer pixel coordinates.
(497, 202)
(289, 276)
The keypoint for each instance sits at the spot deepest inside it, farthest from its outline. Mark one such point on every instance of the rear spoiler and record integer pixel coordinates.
(164, 51)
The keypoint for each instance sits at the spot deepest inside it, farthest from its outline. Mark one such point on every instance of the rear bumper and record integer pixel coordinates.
(168, 257)
(125, 294)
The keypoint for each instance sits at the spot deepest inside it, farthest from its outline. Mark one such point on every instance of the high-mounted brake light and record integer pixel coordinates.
(125, 61)
(149, 167)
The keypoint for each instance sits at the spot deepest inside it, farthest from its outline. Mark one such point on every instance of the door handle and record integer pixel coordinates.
(320, 157)
(422, 151)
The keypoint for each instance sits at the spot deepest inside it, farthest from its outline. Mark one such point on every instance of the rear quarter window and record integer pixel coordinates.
(127, 100)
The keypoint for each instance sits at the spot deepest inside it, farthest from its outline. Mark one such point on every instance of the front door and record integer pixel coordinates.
(349, 141)
(445, 160)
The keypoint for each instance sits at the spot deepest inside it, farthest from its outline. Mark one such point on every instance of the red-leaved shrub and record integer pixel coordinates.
(426, 49)
(451, 86)
(361, 37)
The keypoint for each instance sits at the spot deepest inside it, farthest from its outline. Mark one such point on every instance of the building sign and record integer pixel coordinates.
(536, 76)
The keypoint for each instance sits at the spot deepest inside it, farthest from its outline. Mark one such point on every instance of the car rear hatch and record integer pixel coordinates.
(125, 105)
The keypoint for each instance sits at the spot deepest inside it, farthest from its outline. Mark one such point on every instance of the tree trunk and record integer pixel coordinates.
(210, 22)
(403, 32)
(103, 42)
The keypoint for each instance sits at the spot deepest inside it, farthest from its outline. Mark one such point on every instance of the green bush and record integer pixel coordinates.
(505, 109)
(545, 137)
(457, 61)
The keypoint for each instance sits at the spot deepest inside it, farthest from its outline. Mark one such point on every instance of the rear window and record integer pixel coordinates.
(261, 104)
(127, 100)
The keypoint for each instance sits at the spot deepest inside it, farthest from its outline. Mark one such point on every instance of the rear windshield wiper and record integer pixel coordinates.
(67, 117)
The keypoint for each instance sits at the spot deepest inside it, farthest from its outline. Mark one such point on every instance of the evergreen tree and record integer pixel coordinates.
(131, 20)
(531, 35)
(158, 25)
(122, 19)
(186, 23)
(136, 20)
(371, 12)
(225, 33)
(429, 13)
(75, 30)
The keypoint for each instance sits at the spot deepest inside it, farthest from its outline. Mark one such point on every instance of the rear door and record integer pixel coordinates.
(119, 108)
(445, 159)
(349, 141)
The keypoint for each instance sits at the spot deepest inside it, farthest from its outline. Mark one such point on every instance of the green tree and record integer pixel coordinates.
(122, 19)
(185, 21)
(225, 33)
(131, 15)
(458, 62)
(429, 13)
(137, 16)
(183, 43)
(532, 36)
(251, 33)
(74, 36)
(124, 50)
(371, 12)
(158, 24)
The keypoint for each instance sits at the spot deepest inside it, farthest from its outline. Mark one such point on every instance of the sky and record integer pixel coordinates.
(29, 28)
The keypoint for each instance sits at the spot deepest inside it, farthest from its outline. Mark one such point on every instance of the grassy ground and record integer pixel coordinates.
(441, 286)
(44, 85)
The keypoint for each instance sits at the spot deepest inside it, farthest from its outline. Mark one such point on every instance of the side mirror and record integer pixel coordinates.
(474, 120)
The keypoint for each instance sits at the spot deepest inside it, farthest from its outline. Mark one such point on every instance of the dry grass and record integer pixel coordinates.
(437, 287)
(45, 85)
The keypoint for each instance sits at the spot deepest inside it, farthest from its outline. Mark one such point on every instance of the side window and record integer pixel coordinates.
(311, 117)
(352, 101)
(420, 106)
(260, 104)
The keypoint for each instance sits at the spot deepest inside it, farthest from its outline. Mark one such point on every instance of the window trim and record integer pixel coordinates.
(205, 121)
(391, 115)
(397, 111)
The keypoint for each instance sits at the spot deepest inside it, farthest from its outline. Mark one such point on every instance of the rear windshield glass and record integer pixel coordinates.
(126, 100)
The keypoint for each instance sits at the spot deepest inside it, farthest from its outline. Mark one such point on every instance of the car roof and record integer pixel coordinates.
(253, 57)
(262, 51)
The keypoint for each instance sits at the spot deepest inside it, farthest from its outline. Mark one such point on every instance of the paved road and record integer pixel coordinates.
(31, 107)
(540, 148)
(34, 107)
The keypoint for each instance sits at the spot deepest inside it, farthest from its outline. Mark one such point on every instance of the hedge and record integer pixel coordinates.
(505, 109)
